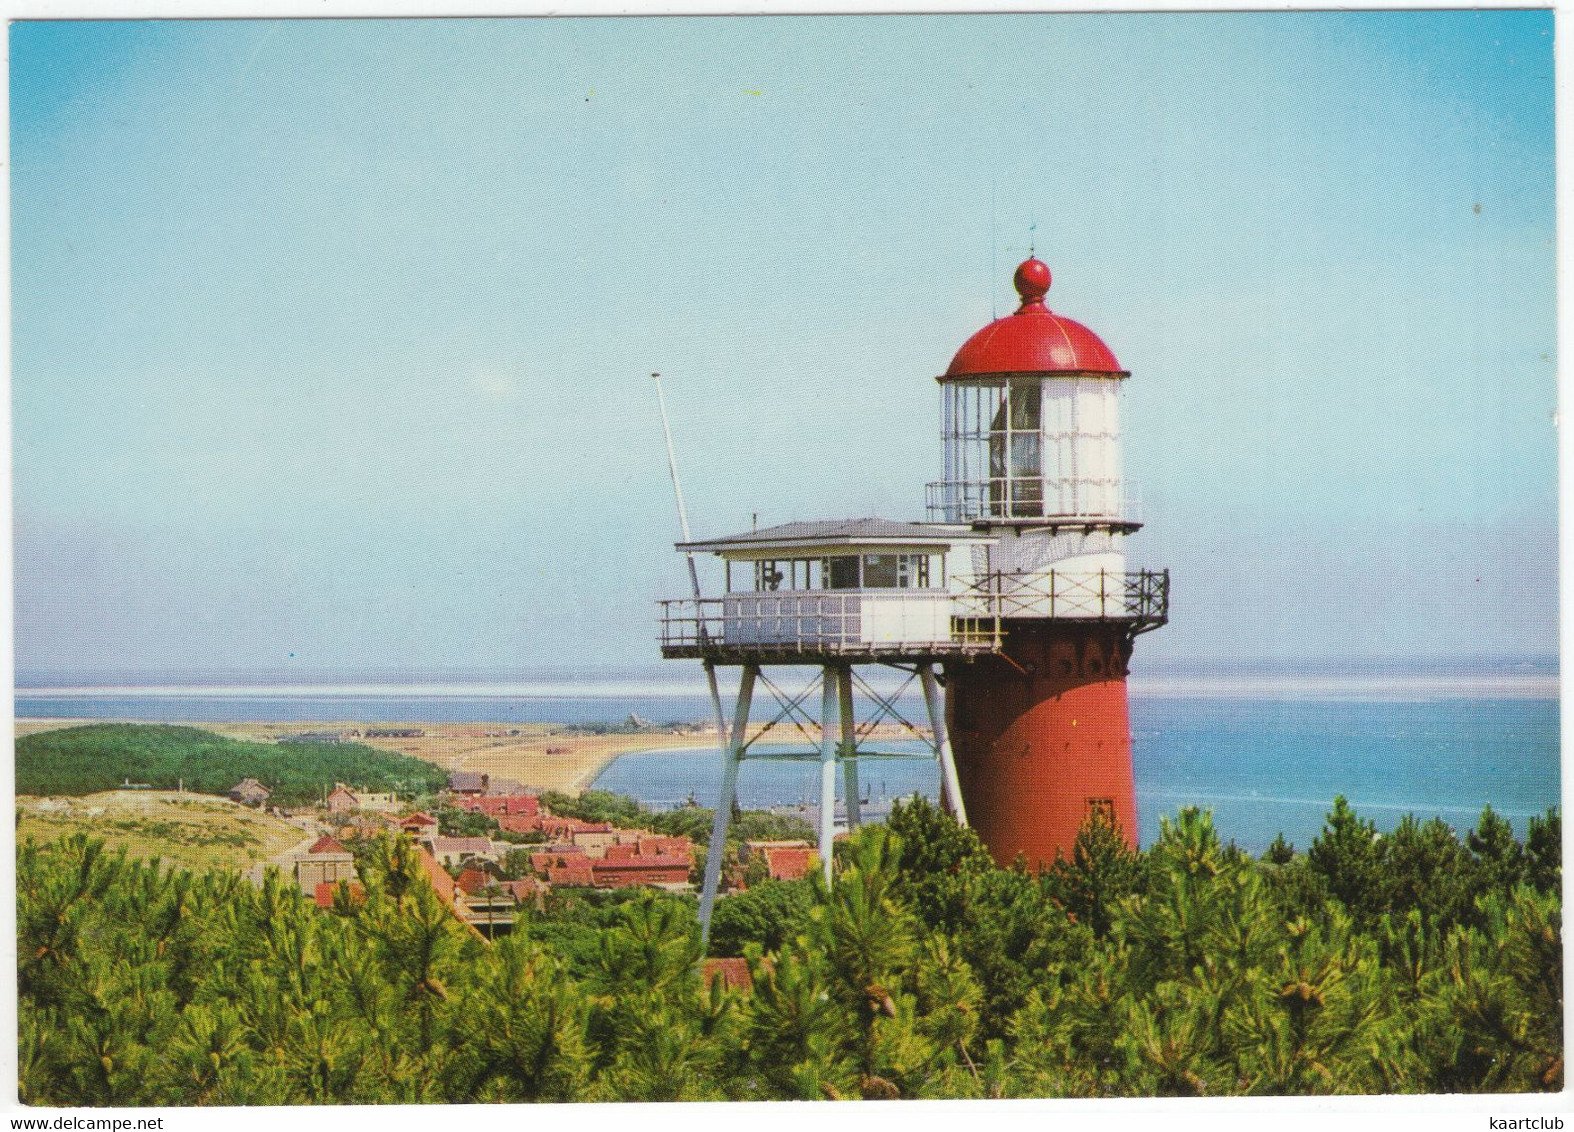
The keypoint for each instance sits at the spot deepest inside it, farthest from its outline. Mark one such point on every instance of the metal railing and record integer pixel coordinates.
(873, 623)
(1141, 597)
(827, 621)
(956, 501)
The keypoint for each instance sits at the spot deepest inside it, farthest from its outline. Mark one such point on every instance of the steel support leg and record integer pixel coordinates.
(729, 794)
(844, 689)
(829, 681)
(950, 786)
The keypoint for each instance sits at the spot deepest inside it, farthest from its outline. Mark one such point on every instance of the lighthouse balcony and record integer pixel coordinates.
(812, 626)
(1140, 599)
(1036, 502)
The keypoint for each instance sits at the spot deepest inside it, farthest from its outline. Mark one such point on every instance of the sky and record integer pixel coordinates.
(331, 340)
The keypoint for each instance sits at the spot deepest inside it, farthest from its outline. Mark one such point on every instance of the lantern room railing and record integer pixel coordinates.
(1003, 498)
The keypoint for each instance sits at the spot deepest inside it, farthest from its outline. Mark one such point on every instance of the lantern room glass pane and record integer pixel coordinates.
(1025, 462)
(1025, 401)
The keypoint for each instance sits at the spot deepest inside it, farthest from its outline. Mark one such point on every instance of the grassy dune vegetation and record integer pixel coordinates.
(190, 831)
(85, 760)
(1414, 962)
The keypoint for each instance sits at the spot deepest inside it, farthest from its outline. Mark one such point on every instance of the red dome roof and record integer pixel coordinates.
(1034, 339)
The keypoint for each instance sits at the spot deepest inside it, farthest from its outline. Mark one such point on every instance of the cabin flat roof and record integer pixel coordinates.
(844, 532)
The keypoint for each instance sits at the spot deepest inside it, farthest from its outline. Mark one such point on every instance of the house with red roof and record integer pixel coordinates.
(570, 872)
(784, 860)
(326, 861)
(660, 871)
(660, 845)
(554, 856)
(521, 823)
(342, 799)
(422, 824)
(523, 805)
(323, 895)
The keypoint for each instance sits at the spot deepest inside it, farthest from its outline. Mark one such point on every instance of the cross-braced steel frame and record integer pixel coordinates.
(835, 738)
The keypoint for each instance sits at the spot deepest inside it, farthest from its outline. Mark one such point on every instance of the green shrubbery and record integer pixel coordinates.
(1411, 962)
(85, 760)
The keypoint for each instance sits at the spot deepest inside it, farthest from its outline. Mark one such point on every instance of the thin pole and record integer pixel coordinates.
(951, 786)
(683, 513)
(729, 794)
(728, 748)
(849, 753)
(828, 681)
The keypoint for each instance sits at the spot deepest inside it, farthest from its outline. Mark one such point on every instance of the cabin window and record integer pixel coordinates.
(802, 573)
(768, 575)
(840, 573)
(880, 571)
(912, 571)
(896, 571)
(783, 574)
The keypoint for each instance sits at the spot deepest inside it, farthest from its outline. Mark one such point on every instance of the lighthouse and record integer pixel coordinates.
(1011, 611)
(1031, 431)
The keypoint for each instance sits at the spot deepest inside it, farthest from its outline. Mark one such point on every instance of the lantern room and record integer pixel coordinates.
(1031, 421)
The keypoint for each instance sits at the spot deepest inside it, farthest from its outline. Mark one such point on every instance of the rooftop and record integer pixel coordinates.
(326, 844)
(844, 532)
(461, 845)
(1033, 340)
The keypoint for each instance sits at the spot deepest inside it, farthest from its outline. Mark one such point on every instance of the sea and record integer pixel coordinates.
(1266, 749)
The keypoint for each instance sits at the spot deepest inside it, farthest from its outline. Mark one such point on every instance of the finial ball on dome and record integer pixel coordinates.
(1032, 280)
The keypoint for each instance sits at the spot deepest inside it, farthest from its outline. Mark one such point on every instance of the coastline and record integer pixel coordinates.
(537, 755)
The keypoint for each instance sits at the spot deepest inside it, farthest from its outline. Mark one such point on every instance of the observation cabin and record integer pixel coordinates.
(855, 589)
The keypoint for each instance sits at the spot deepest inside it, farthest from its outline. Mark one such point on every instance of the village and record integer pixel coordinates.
(524, 854)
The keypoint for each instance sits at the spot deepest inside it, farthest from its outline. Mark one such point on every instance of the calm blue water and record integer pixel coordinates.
(1262, 767)
(1262, 764)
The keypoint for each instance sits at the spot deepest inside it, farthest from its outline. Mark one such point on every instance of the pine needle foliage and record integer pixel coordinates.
(1420, 961)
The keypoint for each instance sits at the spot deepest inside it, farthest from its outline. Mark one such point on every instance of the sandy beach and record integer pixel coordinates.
(538, 755)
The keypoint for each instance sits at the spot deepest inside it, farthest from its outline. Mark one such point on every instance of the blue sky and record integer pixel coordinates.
(331, 339)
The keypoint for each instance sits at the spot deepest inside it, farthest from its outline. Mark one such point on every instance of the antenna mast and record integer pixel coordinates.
(718, 839)
(677, 494)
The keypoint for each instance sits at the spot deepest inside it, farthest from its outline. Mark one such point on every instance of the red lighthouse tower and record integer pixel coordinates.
(1040, 729)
